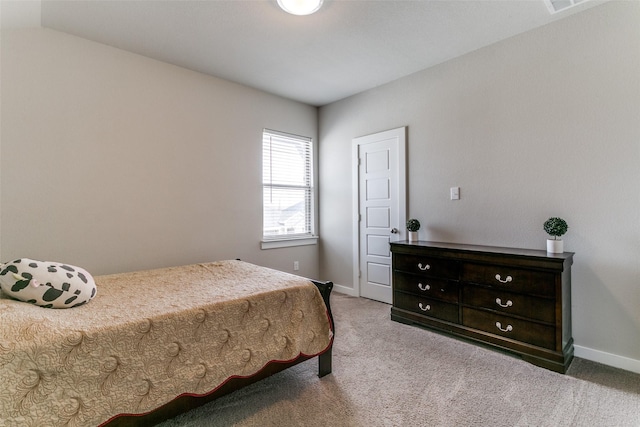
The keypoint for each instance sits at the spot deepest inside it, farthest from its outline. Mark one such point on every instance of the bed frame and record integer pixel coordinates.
(185, 403)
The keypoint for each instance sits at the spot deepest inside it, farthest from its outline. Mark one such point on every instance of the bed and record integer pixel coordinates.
(154, 343)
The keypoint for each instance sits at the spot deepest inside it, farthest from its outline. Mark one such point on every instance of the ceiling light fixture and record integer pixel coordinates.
(300, 7)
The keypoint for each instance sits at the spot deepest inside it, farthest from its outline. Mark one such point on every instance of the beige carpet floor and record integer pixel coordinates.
(389, 374)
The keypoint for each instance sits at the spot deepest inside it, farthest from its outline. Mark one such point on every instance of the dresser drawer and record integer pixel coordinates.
(509, 303)
(511, 279)
(510, 327)
(425, 306)
(429, 287)
(431, 267)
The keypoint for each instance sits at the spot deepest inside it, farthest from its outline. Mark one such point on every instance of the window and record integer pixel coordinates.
(287, 182)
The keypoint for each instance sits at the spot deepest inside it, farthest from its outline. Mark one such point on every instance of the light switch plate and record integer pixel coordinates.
(455, 193)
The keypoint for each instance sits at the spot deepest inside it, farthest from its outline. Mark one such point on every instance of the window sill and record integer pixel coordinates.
(289, 242)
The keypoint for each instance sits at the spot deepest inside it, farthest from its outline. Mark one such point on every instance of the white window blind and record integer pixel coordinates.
(287, 179)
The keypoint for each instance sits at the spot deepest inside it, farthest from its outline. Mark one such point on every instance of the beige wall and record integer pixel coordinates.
(116, 162)
(543, 124)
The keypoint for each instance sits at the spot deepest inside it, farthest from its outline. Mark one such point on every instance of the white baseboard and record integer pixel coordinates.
(345, 290)
(609, 359)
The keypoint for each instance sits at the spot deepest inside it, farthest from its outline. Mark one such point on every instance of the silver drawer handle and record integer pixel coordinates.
(426, 267)
(424, 287)
(509, 328)
(424, 308)
(509, 303)
(507, 280)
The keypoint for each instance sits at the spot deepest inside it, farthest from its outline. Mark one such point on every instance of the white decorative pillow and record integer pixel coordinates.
(47, 284)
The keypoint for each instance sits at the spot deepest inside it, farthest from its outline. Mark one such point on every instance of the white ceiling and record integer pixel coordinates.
(347, 47)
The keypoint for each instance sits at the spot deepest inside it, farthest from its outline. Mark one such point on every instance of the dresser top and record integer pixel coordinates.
(484, 252)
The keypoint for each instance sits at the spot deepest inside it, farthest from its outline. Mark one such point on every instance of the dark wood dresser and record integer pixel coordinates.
(517, 300)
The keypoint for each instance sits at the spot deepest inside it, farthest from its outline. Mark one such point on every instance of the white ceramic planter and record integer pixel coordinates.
(413, 236)
(555, 246)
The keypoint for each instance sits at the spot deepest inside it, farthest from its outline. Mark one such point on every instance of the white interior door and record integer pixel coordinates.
(381, 209)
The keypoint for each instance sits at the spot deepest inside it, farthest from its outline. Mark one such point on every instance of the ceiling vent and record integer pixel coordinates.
(556, 6)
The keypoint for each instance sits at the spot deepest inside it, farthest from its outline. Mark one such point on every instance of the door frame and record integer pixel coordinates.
(401, 134)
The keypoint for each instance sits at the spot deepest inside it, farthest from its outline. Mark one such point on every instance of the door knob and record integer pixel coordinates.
(394, 230)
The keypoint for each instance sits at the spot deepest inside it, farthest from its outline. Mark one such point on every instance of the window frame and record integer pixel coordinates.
(294, 239)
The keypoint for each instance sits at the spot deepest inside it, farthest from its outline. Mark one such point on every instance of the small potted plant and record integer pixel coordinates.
(413, 225)
(555, 227)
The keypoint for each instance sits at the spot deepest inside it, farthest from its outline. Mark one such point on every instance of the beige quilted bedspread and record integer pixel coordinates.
(149, 337)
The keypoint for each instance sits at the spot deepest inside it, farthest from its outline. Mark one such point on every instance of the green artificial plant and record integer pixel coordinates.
(413, 224)
(555, 227)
